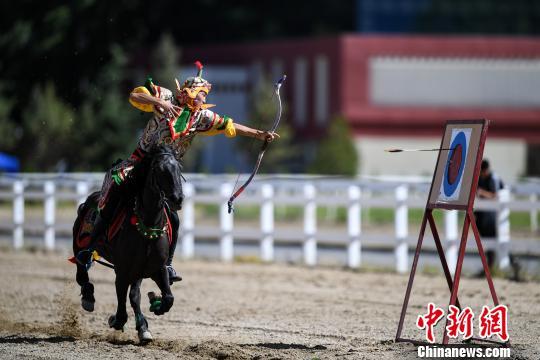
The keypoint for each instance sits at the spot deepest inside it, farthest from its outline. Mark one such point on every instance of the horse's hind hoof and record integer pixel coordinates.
(87, 305)
(145, 336)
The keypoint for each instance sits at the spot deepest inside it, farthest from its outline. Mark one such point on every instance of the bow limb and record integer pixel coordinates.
(277, 87)
(244, 186)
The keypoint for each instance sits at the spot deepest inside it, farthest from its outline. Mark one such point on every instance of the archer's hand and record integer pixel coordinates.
(165, 107)
(267, 136)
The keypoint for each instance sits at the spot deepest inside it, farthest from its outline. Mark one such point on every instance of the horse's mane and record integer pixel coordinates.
(142, 168)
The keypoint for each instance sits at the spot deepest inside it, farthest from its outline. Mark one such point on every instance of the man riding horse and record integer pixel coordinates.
(177, 119)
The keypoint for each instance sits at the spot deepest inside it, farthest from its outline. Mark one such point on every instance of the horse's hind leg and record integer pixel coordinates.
(118, 320)
(140, 321)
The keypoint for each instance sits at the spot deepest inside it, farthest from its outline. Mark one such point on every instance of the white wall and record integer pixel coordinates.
(454, 82)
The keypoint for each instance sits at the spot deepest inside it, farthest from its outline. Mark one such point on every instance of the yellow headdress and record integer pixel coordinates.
(194, 85)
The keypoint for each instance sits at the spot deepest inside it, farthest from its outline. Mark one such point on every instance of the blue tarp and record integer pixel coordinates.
(9, 163)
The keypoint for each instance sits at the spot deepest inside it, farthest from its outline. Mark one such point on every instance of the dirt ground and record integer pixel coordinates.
(238, 311)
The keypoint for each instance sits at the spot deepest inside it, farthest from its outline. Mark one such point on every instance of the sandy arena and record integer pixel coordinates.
(238, 311)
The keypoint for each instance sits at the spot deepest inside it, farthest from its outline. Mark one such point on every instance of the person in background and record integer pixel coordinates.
(489, 185)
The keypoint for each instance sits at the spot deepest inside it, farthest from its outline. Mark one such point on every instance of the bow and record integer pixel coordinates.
(277, 86)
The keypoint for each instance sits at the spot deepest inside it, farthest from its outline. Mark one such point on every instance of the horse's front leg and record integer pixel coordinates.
(167, 299)
(118, 320)
(140, 321)
(87, 289)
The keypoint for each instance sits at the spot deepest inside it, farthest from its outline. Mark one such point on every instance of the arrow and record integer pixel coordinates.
(403, 150)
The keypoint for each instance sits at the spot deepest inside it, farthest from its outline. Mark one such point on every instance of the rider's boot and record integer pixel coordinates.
(173, 276)
(175, 223)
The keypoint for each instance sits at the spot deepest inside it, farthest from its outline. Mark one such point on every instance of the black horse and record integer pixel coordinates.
(138, 238)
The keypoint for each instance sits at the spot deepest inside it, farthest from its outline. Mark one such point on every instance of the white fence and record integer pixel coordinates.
(355, 195)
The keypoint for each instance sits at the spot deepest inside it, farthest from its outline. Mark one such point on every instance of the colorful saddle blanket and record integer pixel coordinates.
(88, 216)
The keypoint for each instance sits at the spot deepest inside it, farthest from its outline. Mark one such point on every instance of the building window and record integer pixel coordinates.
(300, 91)
(321, 90)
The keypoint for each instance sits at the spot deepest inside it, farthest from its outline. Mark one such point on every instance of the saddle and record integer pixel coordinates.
(88, 213)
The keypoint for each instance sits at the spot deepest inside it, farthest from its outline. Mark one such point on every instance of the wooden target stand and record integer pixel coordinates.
(468, 178)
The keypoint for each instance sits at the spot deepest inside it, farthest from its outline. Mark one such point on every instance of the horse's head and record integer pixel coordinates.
(165, 176)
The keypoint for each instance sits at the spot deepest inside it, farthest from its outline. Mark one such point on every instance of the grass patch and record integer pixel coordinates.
(373, 269)
(248, 259)
(288, 213)
(242, 212)
(521, 220)
(385, 216)
(431, 270)
(207, 210)
(247, 212)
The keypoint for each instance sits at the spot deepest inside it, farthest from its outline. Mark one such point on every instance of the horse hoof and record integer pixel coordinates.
(87, 299)
(87, 305)
(145, 336)
(114, 323)
(166, 304)
(158, 311)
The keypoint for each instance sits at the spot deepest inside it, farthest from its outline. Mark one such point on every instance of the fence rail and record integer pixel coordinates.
(355, 195)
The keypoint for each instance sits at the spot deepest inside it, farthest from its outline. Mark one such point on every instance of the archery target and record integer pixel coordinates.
(458, 164)
(455, 164)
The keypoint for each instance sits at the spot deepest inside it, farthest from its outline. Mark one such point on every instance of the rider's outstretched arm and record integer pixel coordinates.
(254, 133)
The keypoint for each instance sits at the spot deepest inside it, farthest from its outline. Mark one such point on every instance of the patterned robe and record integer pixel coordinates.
(165, 129)
(179, 132)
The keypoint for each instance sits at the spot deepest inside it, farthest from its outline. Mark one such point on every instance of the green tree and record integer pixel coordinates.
(7, 125)
(336, 154)
(48, 122)
(107, 125)
(165, 59)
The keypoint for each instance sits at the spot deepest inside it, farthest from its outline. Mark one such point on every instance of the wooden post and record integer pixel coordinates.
(503, 229)
(402, 229)
(188, 222)
(310, 225)
(49, 208)
(354, 227)
(267, 223)
(18, 214)
(226, 225)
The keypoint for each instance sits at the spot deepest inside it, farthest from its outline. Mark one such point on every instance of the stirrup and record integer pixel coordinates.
(93, 255)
